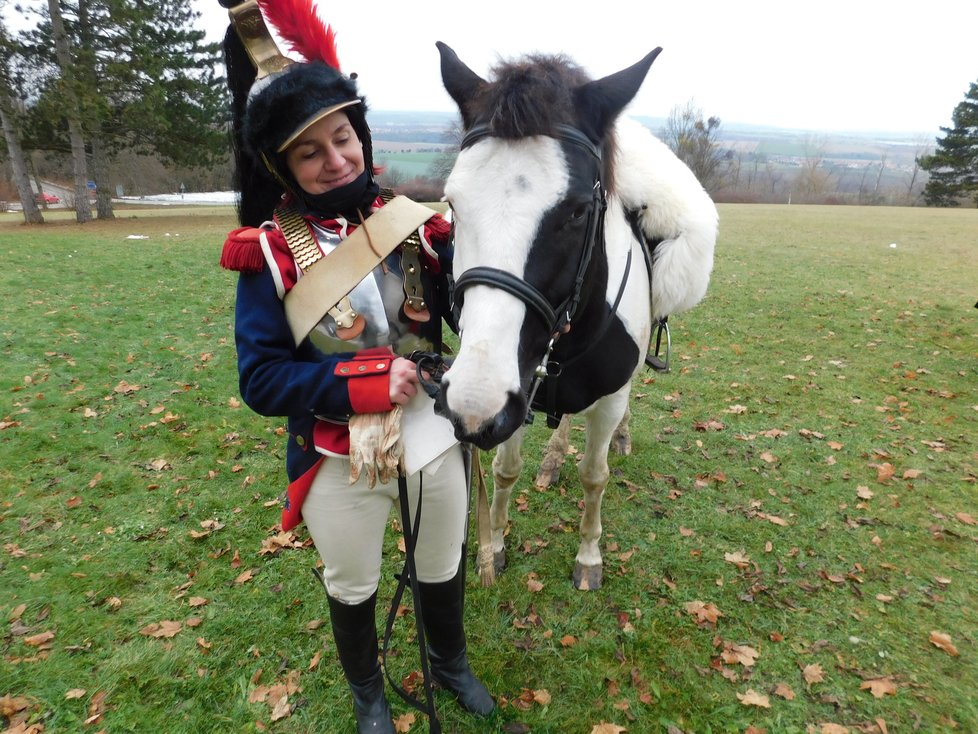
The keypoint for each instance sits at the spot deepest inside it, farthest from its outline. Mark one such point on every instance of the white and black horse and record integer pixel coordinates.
(574, 232)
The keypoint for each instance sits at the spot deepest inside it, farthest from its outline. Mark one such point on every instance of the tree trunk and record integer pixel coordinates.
(32, 215)
(103, 193)
(83, 210)
(99, 159)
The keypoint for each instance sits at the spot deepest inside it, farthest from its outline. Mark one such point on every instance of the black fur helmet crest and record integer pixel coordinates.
(275, 99)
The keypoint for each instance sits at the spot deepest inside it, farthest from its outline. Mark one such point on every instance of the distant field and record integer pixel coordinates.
(792, 547)
(406, 160)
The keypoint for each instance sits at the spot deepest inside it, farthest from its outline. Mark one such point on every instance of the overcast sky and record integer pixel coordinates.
(820, 66)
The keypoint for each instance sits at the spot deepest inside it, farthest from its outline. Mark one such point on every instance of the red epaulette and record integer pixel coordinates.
(438, 227)
(242, 251)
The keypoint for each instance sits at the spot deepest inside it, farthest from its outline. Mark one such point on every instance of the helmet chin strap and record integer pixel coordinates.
(352, 197)
(289, 188)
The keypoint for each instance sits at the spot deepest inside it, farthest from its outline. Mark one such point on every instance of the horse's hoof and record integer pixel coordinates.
(499, 561)
(549, 474)
(587, 578)
(621, 445)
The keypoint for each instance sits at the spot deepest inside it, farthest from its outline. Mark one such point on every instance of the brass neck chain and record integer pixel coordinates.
(299, 237)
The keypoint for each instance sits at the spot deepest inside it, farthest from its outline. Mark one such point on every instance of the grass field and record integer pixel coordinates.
(792, 546)
(408, 163)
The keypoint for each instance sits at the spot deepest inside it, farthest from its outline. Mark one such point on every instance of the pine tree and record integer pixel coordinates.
(953, 167)
(146, 81)
(69, 91)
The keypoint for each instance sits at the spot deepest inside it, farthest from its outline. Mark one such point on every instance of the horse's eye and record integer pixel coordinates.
(580, 212)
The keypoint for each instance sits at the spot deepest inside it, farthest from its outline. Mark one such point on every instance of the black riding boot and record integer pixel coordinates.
(441, 608)
(355, 632)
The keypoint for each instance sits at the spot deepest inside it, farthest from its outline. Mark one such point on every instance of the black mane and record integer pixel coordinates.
(534, 96)
(531, 96)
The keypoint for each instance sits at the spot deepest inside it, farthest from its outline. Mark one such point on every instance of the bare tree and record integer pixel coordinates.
(922, 149)
(32, 215)
(695, 142)
(11, 136)
(879, 177)
(813, 179)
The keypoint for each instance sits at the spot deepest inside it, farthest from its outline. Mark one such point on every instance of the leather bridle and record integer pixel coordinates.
(557, 319)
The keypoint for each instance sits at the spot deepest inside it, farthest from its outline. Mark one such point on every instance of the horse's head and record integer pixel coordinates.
(527, 198)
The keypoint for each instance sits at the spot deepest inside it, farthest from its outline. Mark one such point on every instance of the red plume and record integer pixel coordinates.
(300, 27)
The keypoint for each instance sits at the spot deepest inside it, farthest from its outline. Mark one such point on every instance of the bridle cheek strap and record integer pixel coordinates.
(556, 320)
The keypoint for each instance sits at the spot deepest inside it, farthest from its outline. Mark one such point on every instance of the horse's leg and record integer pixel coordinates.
(506, 468)
(553, 459)
(621, 439)
(602, 418)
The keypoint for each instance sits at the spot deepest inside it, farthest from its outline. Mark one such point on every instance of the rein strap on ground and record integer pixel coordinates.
(409, 577)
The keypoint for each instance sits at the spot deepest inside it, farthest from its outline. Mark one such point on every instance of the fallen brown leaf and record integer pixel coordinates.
(884, 472)
(403, 723)
(738, 558)
(879, 687)
(605, 728)
(244, 577)
(742, 654)
(42, 640)
(282, 708)
(753, 698)
(813, 673)
(166, 628)
(943, 641)
(705, 613)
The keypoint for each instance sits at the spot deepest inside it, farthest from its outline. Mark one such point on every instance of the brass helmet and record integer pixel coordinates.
(275, 99)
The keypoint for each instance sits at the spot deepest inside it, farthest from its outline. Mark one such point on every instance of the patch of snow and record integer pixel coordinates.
(188, 199)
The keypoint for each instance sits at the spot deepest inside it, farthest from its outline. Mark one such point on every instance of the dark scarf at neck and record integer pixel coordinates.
(347, 201)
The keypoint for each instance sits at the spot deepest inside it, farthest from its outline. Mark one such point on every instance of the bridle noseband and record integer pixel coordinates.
(556, 319)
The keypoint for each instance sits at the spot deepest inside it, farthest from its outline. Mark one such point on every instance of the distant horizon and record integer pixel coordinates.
(858, 132)
(836, 67)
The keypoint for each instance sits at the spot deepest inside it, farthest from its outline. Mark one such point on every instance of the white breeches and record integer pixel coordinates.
(347, 523)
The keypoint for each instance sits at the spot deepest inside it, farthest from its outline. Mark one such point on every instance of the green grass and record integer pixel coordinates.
(820, 355)
(409, 163)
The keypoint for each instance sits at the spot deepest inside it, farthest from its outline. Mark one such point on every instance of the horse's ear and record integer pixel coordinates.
(460, 82)
(603, 99)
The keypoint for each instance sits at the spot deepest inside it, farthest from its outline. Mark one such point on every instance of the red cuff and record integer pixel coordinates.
(369, 380)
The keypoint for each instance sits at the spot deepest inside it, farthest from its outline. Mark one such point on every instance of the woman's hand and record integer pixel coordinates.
(403, 380)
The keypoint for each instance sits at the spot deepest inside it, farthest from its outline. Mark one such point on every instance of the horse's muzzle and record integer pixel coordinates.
(488, 433)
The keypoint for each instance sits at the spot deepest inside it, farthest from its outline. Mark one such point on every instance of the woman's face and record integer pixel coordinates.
(327, 155)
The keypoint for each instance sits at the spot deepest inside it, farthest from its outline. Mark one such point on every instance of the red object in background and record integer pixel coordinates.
(46, 198)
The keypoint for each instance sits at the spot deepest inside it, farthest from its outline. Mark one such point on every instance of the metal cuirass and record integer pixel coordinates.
(379, 299)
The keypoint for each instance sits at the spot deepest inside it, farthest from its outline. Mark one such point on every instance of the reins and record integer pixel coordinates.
(408, 578)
